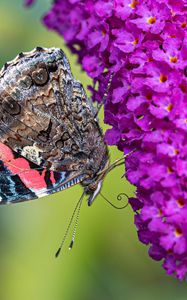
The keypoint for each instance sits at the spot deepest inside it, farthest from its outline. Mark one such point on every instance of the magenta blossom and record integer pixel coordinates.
(144, 43)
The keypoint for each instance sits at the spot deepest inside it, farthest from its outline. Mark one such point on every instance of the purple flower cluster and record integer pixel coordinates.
(144, 44)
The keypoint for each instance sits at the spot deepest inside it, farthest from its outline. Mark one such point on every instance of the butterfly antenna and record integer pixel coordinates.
(105, 94)
(119, 198)
(120, 161)
(76, 223)
(116, 163)
(78, 205)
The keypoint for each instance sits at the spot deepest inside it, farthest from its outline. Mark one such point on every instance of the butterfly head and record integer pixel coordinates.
(93, 191)
(94, 185)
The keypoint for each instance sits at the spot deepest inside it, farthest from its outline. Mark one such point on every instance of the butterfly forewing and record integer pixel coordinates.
(45, 113)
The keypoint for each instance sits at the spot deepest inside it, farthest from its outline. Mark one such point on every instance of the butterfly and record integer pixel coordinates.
(50, 138)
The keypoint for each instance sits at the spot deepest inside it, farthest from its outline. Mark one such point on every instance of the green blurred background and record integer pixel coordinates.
(107, 261)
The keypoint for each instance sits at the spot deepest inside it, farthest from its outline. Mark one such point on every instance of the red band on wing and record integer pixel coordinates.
(20, 166)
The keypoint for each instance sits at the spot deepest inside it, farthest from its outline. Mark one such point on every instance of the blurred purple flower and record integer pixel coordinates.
(145, 44)
(29, 2)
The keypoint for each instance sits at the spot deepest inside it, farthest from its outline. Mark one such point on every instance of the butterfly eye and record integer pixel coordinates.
(11, 106)
(26, 82)
(40, 76)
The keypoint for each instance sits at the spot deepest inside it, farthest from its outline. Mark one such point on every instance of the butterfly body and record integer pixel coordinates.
(50, 138)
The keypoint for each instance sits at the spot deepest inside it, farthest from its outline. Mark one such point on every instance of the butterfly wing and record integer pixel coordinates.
(45, 115)
(21, 180)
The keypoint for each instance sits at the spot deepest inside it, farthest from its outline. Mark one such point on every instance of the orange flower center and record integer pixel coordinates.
(173, 59)
(149, 59)
(170, 171)
(169, 107)
(183, 25)
(173, 36)
(180, 202)
(135, 42)
(134, 4)
(178, 232)
(159, 213)
(151, 20)
(163, 78)
(176, 151)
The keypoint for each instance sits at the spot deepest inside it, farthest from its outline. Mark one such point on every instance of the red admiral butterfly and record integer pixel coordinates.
(50, 138)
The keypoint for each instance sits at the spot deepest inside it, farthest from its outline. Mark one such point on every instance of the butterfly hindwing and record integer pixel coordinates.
(21, 180)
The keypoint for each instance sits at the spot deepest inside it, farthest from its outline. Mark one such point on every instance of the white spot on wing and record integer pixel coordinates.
(32, 153)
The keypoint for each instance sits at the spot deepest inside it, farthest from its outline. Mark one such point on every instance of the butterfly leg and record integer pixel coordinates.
(105, 94)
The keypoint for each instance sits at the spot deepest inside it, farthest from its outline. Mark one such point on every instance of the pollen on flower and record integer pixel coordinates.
(176, 151)
(135, 42)
(183, 25)
(169, 170)
(173, 59)
(180, 202)
(163, 78)
(172, 36)
(151, 20)
(169, 107)
(160, 212)
(133, 4)
(178, 232)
